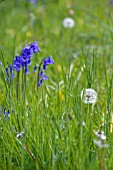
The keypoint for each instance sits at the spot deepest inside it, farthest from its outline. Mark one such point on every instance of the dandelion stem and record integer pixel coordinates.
(101, 157)
(32, 156)
(23, 85)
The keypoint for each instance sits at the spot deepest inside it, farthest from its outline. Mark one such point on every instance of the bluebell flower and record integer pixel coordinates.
(111, 2)
(33, 1)
(35, 68)
(26, 52)
(26, 69)
(34, 47)
(17, 63)
(6, 113)
(40, 82)
(47, 61)
(43, 77)
(23, 61)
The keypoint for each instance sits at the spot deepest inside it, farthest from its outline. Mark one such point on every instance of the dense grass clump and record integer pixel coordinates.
(56, 85)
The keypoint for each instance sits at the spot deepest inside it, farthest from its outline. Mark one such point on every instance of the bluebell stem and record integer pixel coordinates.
(12, 71)
(9, 72)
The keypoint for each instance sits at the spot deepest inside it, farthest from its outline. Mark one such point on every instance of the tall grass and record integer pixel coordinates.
(55, 126)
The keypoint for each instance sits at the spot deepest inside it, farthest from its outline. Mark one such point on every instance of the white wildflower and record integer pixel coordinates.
(89, 96)
(19, 135)
(84, 124)
(100, 144)
(68, 22)
(100, 134)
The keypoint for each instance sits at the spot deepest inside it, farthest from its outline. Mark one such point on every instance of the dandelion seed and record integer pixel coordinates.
(89, 96)
(68, 23)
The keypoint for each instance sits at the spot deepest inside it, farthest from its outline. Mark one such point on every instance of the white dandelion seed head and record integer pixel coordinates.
(100, 134)
(102, 137)
(68, 22)
(100, 144)
(89, 96)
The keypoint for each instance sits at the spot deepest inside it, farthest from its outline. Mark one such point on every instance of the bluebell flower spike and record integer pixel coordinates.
(46, 61)
(21, 62)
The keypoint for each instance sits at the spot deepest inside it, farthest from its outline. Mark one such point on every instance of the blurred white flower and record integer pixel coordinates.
(84, 124)
(100, 144)
(100, 134)
(19, 135)
(68, 22)
(89, 96)
(0, 63)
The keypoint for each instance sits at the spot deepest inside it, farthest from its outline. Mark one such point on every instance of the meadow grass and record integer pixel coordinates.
(55, 126)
